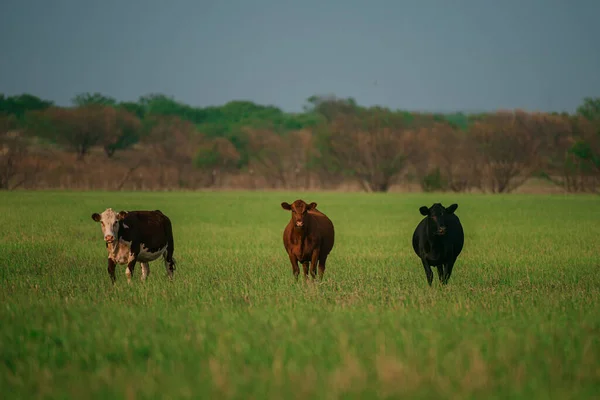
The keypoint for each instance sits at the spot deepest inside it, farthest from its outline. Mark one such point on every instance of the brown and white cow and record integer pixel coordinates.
(308, 237)
(133, 236)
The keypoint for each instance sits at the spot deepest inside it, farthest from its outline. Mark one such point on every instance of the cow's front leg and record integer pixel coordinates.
(441, 273)
(130, 267)
(295, 267)
(428, 271)
(448, 270)
(111, 270)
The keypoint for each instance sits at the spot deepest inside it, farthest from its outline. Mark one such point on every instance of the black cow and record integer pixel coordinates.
(438, 240)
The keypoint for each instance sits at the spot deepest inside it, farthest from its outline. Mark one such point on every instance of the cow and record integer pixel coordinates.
(307, 238)
(133, 236)
(438, 240)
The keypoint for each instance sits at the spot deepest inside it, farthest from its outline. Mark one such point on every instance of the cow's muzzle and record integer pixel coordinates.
(441, 231)
(109, 238)
(299, 224)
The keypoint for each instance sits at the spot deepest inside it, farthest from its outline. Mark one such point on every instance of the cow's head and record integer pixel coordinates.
(436, 217)
(299, 210)
(109, 222)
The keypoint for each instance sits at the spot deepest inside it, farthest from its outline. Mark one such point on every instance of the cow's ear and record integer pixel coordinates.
(121, 215)
(286, 206)
(424, 210)
(96, 217)
(450, 209)
(311, 206)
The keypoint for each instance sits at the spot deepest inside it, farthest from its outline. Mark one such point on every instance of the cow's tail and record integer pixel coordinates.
(170, 243)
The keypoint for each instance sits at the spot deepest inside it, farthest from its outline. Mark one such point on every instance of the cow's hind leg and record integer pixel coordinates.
(428, 271)
(145, 270)
(322, 260)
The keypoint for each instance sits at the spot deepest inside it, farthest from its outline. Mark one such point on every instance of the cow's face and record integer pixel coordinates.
(299, 210)
(436, 217)
(109, 222)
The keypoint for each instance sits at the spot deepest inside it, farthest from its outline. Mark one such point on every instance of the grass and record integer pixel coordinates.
(520, 317)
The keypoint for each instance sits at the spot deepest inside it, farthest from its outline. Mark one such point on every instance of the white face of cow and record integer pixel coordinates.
(109, 222)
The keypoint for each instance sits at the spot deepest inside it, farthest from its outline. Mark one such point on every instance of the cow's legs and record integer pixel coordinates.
(441, 273)
(322, 260)
(314, 262)
(111, 270)
(129, 270)
(448, 270)
(295, 267)
(305, 268)
(428, 271)
(145, 270)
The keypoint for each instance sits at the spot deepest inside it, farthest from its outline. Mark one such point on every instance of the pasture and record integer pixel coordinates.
(520, 317)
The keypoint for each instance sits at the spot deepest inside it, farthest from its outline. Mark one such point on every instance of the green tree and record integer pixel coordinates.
(21, 104)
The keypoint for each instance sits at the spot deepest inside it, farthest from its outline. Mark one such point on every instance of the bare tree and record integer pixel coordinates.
(12, 153)
(270, 156)
(373, 147)
(509, 145)
(173, 143)
(217, 156)
(445, 151)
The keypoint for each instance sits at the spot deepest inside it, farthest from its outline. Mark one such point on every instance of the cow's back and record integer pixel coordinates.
(151, 228)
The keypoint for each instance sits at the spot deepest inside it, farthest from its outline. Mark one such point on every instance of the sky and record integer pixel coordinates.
(421, 55)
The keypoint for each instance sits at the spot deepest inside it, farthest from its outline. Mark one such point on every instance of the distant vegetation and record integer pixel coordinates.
(159, 143)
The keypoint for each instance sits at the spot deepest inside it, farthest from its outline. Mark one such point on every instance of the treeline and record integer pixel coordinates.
(158, 143)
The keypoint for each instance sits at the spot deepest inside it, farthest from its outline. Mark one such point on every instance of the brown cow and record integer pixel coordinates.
(308, 237)
(136, 236)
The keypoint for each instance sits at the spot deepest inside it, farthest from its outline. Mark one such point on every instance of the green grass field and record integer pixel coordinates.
(520, 317)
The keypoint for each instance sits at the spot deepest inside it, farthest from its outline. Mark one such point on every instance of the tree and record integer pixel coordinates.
(122, 130)
(77, 129)
(12, 152)
(87, 99)
(18, 106)
(373, 146)
(217, 155)
(444, 158)
(174, 143)
(509, 147)
(590, 108)
(581, 161)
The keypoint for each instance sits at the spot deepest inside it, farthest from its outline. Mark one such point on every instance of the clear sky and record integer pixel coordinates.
(425, 55)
